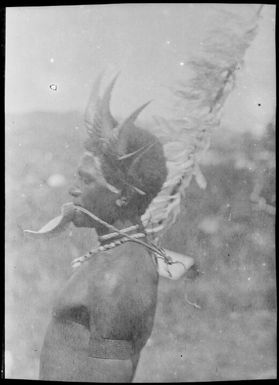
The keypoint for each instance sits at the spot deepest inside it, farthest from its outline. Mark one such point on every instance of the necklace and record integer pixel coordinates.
(158, 252)
(104, 247)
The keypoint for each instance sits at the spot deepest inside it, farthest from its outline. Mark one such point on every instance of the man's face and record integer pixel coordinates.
(91, 192)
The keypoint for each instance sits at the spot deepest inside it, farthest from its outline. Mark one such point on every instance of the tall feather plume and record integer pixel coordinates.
(108, 139)
(98, 118)
(200, 103)
(120, 133)
(103, 130)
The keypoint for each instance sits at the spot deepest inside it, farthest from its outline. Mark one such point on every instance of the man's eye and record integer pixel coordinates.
(86, 181)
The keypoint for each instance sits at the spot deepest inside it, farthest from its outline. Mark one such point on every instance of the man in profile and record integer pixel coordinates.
(104, 315)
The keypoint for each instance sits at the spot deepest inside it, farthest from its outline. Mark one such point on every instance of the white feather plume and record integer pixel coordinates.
(200, 103)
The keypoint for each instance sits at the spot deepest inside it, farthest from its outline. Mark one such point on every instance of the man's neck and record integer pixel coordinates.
(119, 224)
(132, 226)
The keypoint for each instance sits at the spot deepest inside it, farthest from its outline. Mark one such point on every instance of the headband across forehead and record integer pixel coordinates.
(98, 171)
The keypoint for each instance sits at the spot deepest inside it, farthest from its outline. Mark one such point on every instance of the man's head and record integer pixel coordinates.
(123, 170)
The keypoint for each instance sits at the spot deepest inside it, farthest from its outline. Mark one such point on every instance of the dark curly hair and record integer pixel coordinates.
(140, 176)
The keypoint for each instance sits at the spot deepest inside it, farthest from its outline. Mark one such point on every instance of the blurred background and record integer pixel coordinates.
(53, 55)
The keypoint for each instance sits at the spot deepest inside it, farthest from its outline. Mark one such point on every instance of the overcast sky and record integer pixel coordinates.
(149, 43)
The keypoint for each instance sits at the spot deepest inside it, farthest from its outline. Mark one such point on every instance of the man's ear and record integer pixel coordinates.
(122, 202)
(125, 198)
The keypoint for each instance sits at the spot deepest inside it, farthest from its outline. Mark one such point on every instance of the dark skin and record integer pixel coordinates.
(87, 186)
(113, 296)
(91, 192)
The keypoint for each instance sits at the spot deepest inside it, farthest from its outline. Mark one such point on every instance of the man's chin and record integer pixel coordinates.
(81, 220)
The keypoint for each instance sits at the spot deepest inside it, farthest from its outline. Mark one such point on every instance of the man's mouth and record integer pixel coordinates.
(76, 202)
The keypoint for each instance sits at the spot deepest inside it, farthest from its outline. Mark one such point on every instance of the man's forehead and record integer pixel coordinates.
(87, 160)
(91, 165)
(88, 164)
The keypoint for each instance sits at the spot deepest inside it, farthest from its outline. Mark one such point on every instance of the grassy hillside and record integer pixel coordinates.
(231, 336)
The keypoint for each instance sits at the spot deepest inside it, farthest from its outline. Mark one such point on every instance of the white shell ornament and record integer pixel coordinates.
(181, 264)
(56, 225)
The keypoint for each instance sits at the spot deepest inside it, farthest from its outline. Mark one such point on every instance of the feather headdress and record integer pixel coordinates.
(128, 157)
(186, 138)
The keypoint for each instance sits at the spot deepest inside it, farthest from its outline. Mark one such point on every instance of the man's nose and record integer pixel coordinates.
(75, 192)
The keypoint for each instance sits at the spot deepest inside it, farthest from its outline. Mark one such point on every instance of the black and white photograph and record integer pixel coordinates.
(140, 196)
